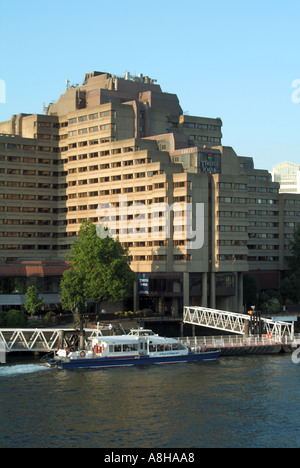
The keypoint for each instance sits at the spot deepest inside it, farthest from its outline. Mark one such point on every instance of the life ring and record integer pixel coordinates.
(82, 354)
(68, 351)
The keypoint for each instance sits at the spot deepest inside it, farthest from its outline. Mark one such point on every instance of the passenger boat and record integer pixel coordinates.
(139, 347)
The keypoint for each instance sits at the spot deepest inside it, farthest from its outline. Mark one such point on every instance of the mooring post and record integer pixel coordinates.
(81, 335)
(61, 339)
(246, 329)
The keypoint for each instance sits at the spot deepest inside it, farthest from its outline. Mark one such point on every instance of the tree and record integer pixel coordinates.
(13, 318)
(290, 286)
(290, 289)
(99, 271)
(271, 305)
(33, 301)
(294, 260)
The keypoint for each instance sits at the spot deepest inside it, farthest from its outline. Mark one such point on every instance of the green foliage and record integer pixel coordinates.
(290, 286)
(294, 260)
(290, 289)
(33, 301)
(12, 318)
(99, 271)
(49, 315)
(271, 305)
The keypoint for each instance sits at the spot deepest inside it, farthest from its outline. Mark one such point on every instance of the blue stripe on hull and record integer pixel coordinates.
(103, 363)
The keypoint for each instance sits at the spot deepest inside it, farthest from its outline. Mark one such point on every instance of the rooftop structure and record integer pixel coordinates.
(287, 174)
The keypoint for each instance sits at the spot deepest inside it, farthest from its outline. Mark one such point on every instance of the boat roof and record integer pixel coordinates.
(142, 332)
(127, 339)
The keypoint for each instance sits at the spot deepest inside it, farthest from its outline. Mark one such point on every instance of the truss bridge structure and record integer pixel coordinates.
(34, 340)
(237, 323)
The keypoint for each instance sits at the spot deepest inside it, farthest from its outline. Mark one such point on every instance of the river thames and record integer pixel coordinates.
(236, 402)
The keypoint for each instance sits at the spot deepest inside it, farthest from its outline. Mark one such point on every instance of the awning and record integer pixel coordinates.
(20, 299)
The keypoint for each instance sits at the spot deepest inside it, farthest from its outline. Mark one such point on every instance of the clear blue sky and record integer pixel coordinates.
(234, 59)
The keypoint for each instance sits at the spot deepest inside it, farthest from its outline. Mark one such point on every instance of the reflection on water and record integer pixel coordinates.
(237, 402)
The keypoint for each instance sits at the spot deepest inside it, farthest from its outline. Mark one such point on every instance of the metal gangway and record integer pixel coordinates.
(35, 340)
(237, 323)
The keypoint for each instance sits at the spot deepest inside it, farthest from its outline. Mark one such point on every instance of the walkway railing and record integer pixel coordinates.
(46, 340)
(236, 341)
(39, 340)
(235, 323)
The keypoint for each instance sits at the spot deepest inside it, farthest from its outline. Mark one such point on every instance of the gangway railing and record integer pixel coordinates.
(39, 340)
(236, 323)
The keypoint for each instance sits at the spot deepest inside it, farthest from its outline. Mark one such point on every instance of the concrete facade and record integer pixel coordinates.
(123, 145)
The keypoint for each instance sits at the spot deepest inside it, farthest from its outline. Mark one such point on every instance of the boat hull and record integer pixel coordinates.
(103, 363)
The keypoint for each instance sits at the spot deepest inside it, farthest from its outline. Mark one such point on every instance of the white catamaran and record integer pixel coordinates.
(139, 347)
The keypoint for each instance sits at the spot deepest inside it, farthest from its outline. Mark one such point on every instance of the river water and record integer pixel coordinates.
(236, 402)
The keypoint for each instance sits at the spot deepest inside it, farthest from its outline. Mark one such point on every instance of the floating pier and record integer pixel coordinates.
(274, 336)
(232, 345)
(271, 336)
(47, 340)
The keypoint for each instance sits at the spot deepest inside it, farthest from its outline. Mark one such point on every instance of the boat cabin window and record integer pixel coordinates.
(167, 347)
(125, 348)
(177, 346)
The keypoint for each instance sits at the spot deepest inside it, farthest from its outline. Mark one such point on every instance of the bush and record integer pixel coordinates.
(129, 314)
(15, 318)
(49, 315)
(3, 318)
(271, 306)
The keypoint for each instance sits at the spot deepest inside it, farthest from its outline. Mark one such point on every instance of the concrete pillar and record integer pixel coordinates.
(61, 342)
(240, 292)
(246, 329)
(136, 298)
(204, 289)
(213, 291)
(161, 306)
(174, 306)
(81, 336)
(186, 289)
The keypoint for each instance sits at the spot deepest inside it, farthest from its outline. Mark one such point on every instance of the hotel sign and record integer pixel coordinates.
(210, 163)
(210, 167)
(143, 283)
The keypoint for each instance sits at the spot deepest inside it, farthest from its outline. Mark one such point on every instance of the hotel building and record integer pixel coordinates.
(125, 145)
